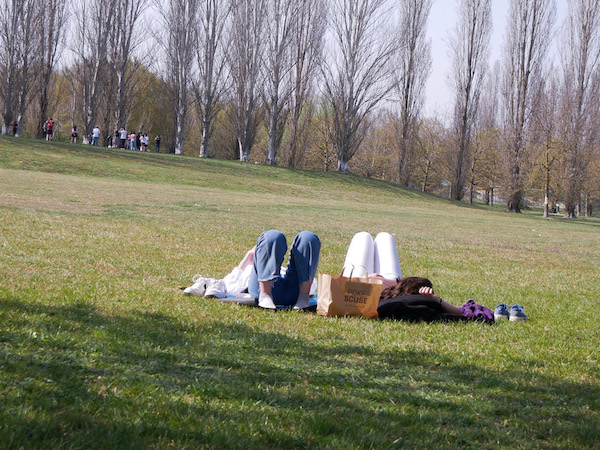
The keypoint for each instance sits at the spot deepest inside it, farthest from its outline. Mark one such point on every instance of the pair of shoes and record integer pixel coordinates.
(514, 314)
(209, 287)
(199, 286)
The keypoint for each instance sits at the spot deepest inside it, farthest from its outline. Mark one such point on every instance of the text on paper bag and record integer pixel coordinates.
(356, 293)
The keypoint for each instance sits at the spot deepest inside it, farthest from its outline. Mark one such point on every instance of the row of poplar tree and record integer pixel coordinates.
(333, 84)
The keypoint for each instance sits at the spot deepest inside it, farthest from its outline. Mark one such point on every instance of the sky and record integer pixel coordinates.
(442, 20)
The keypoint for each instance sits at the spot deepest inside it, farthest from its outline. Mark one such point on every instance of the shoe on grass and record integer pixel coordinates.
(215, 289)
(517, 314)
(501, 312)
(265, 301)
(199, 286)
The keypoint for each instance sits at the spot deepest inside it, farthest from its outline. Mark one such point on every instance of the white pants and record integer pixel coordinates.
(378, 256)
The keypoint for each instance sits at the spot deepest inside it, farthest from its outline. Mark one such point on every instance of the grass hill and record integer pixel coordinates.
(100, 349)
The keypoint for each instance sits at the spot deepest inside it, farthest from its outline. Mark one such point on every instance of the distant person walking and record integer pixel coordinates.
(157, 142)
(49, 128)
(95, 135)
(74, 134)
(15, 127)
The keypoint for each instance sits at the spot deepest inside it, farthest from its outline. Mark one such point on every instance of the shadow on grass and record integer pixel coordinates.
(73, 377)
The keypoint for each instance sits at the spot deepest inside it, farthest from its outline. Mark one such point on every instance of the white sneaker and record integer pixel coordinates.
(216, 289)
(199, 286)
(265, 301)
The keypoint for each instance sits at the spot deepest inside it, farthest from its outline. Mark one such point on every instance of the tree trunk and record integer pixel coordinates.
(120, 109)
(205, 135)
(7, 112)
(90, 113)
(404, 151)
(342, 165)
(244, 149)
(426, 177)
(471, 187)
(547, 194)
(516, 193)
(180, 117)
(588, 205)
(570, 204)
(293, 143)
(43, 113)
(273, 131)
(514, 202)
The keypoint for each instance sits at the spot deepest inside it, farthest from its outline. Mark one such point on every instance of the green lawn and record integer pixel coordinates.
(100, 349)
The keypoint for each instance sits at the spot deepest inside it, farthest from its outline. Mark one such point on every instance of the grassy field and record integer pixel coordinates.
(100, 349)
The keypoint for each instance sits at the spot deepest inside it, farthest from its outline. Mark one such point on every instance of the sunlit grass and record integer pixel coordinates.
(99, 349)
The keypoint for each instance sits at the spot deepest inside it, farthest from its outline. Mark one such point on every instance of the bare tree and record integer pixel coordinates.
(244, 62)
(357, 72)
(307, 47)
(469, 45)
(9, 35)
(211, 64)
(52, 24)
(180, 21)
(581, 62)
(545, 123)
(93, 21)
(414, 66)
(25, 47)
(279, 31)
(126, 39)
(485, 164)
(528, 35)
(20, 24)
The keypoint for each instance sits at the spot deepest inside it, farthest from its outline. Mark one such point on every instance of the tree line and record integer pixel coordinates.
(330, 84)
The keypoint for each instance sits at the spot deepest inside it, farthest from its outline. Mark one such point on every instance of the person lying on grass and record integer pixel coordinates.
(378, 258)
(260, 274)
(418, 286)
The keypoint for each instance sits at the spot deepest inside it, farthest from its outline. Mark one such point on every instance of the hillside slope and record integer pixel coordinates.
(99, 348)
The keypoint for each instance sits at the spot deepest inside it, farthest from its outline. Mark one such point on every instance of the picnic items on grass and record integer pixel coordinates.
(340, 296)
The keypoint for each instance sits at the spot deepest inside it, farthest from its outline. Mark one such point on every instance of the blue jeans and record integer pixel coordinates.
(271, 248)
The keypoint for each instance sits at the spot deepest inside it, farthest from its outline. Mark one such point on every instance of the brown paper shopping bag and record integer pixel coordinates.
(347, 296)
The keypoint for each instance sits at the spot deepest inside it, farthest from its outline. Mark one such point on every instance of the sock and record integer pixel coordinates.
(266, 301)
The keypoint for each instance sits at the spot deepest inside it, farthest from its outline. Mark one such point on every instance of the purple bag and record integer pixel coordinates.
(473, 311)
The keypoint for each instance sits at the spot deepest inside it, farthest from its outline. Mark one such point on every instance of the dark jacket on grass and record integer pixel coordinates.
(414, 308)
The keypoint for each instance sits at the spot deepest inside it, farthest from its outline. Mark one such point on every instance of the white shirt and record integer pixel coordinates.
(96, 132)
